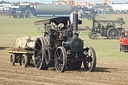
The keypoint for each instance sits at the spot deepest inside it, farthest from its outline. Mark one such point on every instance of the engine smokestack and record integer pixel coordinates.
(75, 21)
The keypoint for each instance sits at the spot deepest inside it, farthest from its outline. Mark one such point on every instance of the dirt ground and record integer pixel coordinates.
(108, 73)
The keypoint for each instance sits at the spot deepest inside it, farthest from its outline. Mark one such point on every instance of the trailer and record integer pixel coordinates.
(22, 52)
(22, 56)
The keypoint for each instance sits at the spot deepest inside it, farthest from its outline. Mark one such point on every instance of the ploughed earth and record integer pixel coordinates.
(106, 73)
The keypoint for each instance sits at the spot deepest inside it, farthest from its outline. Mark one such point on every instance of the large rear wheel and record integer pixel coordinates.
(39, 54)
(60, 59)
(113, 33)
(90, 62)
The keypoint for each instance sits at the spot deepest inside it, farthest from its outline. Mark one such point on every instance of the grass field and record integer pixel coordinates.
(112, 65)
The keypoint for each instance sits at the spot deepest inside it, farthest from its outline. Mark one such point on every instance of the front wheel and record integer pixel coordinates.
(92, 35)
(90, 62)
(60, 59)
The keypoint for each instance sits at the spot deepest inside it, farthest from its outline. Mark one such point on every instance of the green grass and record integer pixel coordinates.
(106, 50)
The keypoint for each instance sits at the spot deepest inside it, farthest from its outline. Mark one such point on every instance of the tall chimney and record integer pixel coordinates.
(75, 21)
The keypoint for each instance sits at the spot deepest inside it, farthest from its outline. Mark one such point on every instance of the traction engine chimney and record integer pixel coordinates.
(75, 21)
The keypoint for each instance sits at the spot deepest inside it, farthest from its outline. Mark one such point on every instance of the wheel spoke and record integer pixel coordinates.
(57, 54)
(91, 63)
(38, 58)
(38, 63)
(39, 44)
(86, 65)
(37, 50)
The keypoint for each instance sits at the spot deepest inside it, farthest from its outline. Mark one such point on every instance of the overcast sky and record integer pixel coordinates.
(49, 1)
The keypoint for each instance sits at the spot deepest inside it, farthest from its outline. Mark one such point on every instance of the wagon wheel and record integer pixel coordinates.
(113, 33)
(76, 65)
(90, 62)
(60, 59)
(92, 35)
(13, 59)
(39, 54)
(24, 61)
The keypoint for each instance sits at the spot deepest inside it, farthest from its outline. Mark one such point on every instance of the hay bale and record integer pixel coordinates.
(25, 42)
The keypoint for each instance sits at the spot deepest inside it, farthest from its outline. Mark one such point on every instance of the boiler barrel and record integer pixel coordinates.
(53, 10)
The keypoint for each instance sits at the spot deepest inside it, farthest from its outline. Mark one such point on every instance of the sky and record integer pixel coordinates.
(49, 1)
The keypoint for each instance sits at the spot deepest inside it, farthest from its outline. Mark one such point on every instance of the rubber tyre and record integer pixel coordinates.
(12, 59)
(24, 61)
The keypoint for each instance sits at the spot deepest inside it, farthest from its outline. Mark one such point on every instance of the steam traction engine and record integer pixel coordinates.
(60, 47)
(110, 30)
